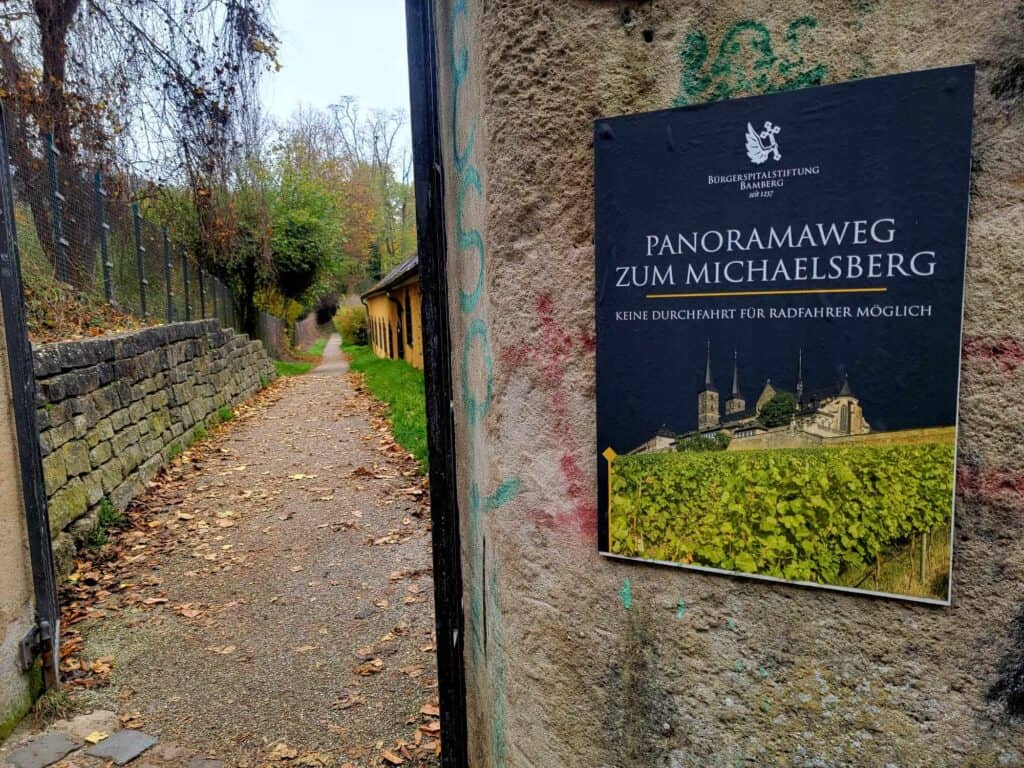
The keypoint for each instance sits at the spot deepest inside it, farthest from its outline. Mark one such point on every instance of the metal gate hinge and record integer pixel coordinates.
(34, 644)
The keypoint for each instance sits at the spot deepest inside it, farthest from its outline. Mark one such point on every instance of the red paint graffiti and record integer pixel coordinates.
(1007, 352)
(995, 485)
(555, 349)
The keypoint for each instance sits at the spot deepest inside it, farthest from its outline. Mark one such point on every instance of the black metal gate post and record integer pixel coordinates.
(45, 639)
(437, 357)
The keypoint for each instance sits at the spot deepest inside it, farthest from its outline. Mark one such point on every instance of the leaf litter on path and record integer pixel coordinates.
(182, 563)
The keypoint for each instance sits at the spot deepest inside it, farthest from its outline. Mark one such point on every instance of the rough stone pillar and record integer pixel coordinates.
(576, 660)
(17, 601)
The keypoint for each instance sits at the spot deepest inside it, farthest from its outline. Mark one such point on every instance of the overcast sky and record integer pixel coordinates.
(335, 48)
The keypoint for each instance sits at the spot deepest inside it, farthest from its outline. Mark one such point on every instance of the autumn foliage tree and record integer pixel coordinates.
(354, 160)
(157, 91)
(162, 97)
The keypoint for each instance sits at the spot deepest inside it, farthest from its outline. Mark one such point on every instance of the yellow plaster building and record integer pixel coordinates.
(394, 326)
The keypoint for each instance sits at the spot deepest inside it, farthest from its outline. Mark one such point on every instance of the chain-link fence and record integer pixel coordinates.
(79, 228)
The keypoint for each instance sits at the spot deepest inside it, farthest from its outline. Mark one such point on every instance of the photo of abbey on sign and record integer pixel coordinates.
(796, 485)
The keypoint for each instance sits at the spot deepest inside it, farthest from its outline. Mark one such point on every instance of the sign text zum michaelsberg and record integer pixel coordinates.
(733, 256)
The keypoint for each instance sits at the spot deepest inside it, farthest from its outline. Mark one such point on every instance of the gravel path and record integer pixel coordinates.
(282, 602)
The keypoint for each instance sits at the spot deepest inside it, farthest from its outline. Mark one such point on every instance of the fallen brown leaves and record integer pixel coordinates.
(55, 312)
(195, 507)
(117, 576)
(371, 667)
(349, 700)
(281, 754)
(425, 743)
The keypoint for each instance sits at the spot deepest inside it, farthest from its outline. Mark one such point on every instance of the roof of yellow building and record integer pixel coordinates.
(399, 274)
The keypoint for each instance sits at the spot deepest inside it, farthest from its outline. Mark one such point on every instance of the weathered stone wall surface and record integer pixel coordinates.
(576, 660)
(17, 598)
(113, 410)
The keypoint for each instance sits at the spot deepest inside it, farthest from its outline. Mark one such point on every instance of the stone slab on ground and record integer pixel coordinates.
(123, 747)
(81, 726)
(42, 751)
(204, 762)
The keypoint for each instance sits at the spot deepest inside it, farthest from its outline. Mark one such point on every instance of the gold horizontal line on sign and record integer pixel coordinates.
(792, 292)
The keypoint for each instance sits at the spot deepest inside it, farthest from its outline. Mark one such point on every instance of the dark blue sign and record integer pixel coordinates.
(779, 299)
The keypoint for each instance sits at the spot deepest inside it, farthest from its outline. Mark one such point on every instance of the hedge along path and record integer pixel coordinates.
(279, 602)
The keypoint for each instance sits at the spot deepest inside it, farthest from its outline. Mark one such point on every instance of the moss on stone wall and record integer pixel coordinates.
(113, 410)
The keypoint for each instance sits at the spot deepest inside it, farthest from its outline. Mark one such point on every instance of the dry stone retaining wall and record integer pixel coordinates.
(113, 410)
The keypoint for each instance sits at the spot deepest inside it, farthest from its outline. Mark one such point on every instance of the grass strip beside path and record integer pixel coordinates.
(400, 386)
(291, 368)
(297, 367)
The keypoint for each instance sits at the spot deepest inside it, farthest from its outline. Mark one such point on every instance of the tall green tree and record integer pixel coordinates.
(305, 228)
(158, 90)
(780, 410)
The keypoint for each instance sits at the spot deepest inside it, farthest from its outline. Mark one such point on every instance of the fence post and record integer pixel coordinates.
(140, 264)
(103, 228)
(216, 283)
(60, 253)
(168, 269)
(202, 296)
(184, 278)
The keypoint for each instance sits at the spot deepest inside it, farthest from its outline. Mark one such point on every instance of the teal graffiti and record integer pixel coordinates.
(505, 493)
(477, 407)
(483, 566)
(626, 593)
(680, 609)
(746, 63)
(469, 176)
(460, 68)
(469, 239)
